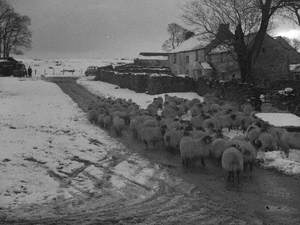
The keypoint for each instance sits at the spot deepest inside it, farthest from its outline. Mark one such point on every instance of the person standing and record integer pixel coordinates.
(29, 71)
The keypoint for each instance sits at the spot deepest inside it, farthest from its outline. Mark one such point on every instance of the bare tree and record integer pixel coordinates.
(293, 11)
(14, 30)
(178, 34)
(247, 24)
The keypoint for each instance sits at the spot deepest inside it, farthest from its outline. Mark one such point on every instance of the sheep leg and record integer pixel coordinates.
(146, 143)
(203, 162)
(229, 176)
(251, 169)
(238, 177)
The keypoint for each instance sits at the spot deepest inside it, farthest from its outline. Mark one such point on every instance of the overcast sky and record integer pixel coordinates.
(98, 28)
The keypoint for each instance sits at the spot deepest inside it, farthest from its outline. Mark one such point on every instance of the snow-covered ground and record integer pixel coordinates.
(280, 119)
(50, 152)
(65, 67)
(143, 100)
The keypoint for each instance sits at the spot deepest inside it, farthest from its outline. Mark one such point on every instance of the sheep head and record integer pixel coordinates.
(207, 139)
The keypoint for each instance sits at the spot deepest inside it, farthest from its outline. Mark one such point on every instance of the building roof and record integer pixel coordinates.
(220, 49)
(154, 53)
(157, 57)
(193, 43)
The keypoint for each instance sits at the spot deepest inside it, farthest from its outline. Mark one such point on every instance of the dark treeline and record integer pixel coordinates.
(15, 35)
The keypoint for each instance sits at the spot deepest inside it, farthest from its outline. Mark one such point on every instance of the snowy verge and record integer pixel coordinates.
(49, 150)
(143, 100)
(277, 160)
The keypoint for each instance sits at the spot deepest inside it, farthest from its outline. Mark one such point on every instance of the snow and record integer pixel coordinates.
(152, 57)
(220, 49)
(277, 160)
(44, 138)
(206, 66)
(51, 153)
(100, 88)
(294, 67)
(280, 119)
(193, 43)
(55, 67)
(160, 75)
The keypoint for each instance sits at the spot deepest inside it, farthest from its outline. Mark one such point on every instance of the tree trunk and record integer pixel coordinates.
(244, 57)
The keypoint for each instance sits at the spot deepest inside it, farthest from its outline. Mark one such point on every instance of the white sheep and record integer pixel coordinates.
(118, 125)
(202, 149)
(193, 149)
(172, 139)
(186, 147)
(151, 136)
(252, 133)
(249, 153)
(233, 163)
(218, 147)
(285, 140)
(267, 142)
(107, 121)
(197, 121)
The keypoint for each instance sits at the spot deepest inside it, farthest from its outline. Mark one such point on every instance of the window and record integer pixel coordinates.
(187, 59)
(197, 56)
(174, 58)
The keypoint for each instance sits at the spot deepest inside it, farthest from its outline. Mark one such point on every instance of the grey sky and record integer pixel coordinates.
(98, 28)
(101, 28)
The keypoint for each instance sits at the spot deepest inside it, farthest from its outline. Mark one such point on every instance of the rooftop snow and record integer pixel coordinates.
(194, 43)
(220, 49)
(280, 119)
(153, 57)
(206, 66)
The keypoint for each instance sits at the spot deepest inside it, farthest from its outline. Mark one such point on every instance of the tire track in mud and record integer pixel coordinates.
(178, 198)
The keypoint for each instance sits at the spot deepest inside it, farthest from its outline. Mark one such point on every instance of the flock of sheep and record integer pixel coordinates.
(195, 130)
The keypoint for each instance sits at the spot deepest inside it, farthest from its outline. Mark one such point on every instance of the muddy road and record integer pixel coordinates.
(172, 195)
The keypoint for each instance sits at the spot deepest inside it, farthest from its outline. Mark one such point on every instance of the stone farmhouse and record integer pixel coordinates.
(203, 59)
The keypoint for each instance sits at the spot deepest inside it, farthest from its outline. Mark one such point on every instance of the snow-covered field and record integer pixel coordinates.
(143, 100)
(50, 152)
(63, 67)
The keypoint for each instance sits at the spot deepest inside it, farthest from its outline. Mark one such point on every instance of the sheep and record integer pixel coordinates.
(197, 121)
(118, 124)
(172, 139)
(202, 148)
(210, 125)
(93, 116)
(291, 139)
(247, 109)
(218, 147)
(285, 140)
(186, 147)
(151, 136)
(266, 142)
(233, 163)
(248, 151)
(252, 133)
(107, 121)
(198, 132)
